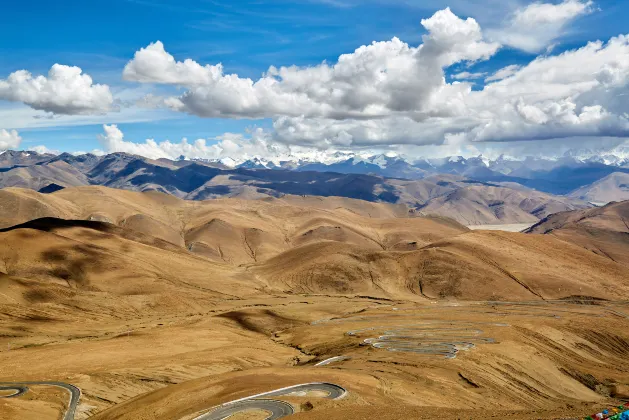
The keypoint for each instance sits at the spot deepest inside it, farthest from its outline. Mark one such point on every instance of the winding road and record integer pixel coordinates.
(19, 390)
(22, 387)
(276, 409)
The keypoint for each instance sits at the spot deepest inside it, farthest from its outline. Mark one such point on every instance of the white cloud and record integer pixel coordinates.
(41, 149)
(113, 141)
(154, 65)
(390, 94)
(537, 26)
(356, 133)
(229, 147)
(466, 75)
(503, 73)
(578, 93)
(451, 40)
(549, 13)
(19, 116)
(66, 90)
(9, 139)
(374, 81)
(97, 152)
(235, 148)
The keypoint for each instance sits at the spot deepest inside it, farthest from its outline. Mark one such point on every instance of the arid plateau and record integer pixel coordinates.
(152, 307)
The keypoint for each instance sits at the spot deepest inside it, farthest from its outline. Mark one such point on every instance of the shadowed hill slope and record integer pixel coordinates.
(97, 268)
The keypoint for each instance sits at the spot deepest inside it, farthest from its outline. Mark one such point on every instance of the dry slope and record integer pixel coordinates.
(478, 265)
(603, 231)
(614, 187)
(490, 205)
(332, 246)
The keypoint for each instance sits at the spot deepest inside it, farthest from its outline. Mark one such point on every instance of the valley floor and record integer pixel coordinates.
(513, 227)
(401, 360)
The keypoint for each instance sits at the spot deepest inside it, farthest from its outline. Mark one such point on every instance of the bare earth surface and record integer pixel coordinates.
(158, 308)
(513, 227)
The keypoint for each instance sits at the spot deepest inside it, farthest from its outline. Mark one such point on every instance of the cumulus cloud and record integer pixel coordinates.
(227, 145)
(537, 26)
(390, 93)
(154, 65)
(66, 90)
(575, 94)
(355, 133)
(451, 39)
(374, 81)
(230, 148)
(41, 149)
(9, 139)
(534, 103)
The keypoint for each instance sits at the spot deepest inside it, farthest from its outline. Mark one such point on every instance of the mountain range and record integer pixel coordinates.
(555, 176)
(562, 175)
(456, 188)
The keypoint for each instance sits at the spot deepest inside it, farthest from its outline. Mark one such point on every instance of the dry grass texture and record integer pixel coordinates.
(159, 308)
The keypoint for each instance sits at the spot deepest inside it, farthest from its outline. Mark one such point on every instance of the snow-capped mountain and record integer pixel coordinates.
(395, 165)
(558, 175)
(617, 156)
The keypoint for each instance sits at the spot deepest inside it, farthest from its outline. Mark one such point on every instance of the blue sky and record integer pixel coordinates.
(247, 37)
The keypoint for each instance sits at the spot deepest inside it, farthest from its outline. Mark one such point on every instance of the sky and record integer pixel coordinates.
(214, 78)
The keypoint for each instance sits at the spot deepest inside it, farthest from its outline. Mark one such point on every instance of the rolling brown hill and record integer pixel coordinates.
(478, 265)
(603, 231)
(53, 265)
(491, 205)
(231, 230)
(317, 245)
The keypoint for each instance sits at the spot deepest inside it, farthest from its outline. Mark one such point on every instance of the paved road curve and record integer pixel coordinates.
(277, 409)
(19, 390)
(334, 392)
(75, 393)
